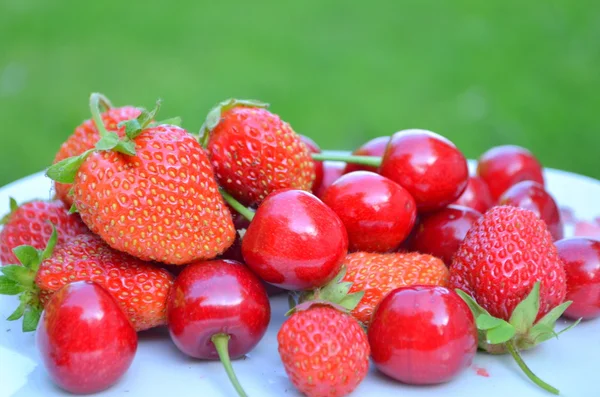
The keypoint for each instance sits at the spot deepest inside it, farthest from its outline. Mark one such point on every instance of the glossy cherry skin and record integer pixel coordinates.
(581, 257)
(374, 147)
(332, 170)
(441, 233)
(378, 213)
(217, 297)
(85, 340)
(314, 148)
(504, 166)
(422, 335)
(532, 196)
(477, 195)
(295, 241)
(428, 165)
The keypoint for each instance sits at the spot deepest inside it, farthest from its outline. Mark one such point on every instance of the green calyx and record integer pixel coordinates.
(13, 207)
(521, 332)
(214, 116)
(335, 294)
(20, 280)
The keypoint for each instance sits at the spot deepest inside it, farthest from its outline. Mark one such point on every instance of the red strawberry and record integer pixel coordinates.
(513, 280)
(254, 152)
(28, 225)
(85, 137)
(139, 287)
(378, 274)
(152, 194)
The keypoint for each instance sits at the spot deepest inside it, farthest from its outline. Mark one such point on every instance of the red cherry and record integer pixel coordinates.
(581, 257)
(374, 147)
(532, 196)
(504, 166)
(422, 335)
(218, 310)
(477, 195)
(314, 148)
(377, 213)
(86, 342)
(295, 241)
(428, 165)
(332, 170)
(441, 233)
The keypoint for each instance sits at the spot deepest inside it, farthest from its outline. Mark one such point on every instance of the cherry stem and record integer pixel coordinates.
(96, 100)
(221, 342)
(372, 161)
(515, 354)
(239, 207)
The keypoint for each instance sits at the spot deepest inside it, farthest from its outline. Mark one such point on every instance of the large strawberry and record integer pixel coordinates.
(508, 270)
(85, 137)
(151, 194)
(254, 152)
(139, 287)
(28, 225)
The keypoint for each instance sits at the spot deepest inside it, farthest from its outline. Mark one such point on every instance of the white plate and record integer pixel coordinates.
(159, 369)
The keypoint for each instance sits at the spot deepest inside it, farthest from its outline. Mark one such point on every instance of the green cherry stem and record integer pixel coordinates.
(95, 100)
(515, 354)
(239, 207)
(372, 161)
(221, 342)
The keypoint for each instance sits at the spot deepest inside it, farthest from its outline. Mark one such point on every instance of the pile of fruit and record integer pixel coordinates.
(393, 255)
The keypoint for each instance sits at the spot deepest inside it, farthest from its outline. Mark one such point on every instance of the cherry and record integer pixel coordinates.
(314, 148)
(332, 170)
(441, 233)
(503, 166)
(85, 340)
(218, 310)
(477, 195)
(532, 196)
(581, 257)
(374, 147)
(377, 213)
(295, 241)
(422, 335)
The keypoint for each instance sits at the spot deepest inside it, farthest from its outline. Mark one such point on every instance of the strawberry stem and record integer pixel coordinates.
(96, 100)
(372, 161)
(221, 342)
(515, 354)
(239, 207)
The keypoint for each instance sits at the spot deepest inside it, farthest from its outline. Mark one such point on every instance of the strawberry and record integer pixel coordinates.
(139, 287)
(378, 274)
(254, 152)
(508, 270)
(85, 137)
(151, 194)
(28, 225)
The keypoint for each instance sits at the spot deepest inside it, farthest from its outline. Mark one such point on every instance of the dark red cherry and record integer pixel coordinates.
(477, 195)
(374, 147)
(332, 170)
(314, 148)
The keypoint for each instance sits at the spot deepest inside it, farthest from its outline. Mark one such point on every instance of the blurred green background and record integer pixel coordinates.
(480, 73)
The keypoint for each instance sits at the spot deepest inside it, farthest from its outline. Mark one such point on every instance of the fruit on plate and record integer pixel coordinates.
(218, 310)
(476, 195)
(581, 257)
(29, 224)
(314, 148)
(332, 171)
(254, 152)
(504, 166)
(378, 213)
(151, 194)
(422, 335)
(85, 137)
(427, 165)
(509, 272)
(378, 274)
(374, 147)
(440, 233)
(294, 241)
(140, 288)
(85, 340)
(532, 196)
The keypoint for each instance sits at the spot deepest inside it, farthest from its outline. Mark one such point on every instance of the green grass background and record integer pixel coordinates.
(480, 73)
